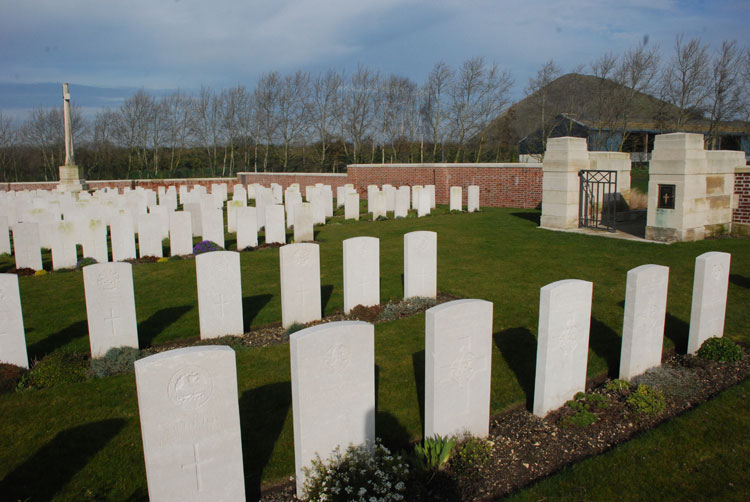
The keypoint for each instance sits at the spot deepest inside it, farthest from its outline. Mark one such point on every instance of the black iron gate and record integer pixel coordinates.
(597, 202)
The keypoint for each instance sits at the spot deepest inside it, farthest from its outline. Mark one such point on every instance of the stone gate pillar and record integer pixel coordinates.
(560, 185)
(677, 188)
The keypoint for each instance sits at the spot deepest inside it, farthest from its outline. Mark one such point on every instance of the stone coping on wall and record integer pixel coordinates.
(452, 165)
(252, 173)
(742, 170)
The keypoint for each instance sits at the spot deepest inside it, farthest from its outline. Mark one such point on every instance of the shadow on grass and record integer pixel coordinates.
(677, 330)
(56, 340)
(417, 362)
(533, 217)
(56, 463)
(740, 280)
(394, 435)
(251, 306)
(158, 322)
(325, 294)
(262, 413)
(606, 344)
(518, 347)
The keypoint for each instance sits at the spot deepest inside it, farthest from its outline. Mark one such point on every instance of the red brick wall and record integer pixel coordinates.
(500, 185)
(286, 179)
(742, 189)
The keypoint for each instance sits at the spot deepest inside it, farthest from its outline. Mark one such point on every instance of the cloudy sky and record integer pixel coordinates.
(169, 44)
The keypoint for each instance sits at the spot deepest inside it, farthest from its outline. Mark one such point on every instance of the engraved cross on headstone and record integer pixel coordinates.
(221, 303)
(461, 369)
(112, 318)
(301, 292)
(196, 464)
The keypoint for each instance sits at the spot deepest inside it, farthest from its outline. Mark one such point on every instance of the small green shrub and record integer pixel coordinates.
(585, 406)
(471, 454)
(10, 376)
(646, 400)
(366, 473)
(433, 453)
(405, 308)
(618, 385)
(381, 218)
(83, 262)
(115, 362)
(720, 349)
(55, 369)
(294, 328)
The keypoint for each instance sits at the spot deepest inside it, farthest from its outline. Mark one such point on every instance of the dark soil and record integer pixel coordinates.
(527, 448)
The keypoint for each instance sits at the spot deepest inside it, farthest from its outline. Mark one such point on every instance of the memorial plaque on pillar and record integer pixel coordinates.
(666, 197)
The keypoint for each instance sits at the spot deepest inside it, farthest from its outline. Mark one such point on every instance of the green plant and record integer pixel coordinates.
(10, 376)
(294, 328)
(381, 218)
(365, 473)
(54, 369)
(646, 400)
(584, 405)
(471, 454)
(116, 361)
(433, 453)
(40, 272)
(405, 308)
(720, 349)
(618, 385)
(85, 261)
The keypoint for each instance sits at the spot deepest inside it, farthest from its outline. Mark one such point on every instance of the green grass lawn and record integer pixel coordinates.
(83, 439)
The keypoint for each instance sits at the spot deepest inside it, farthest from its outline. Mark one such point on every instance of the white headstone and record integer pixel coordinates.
(122, 236)
(63, 241)
(710, 284)
(212, 224)
(293, 198)
(327, 194)
(420, 264)
(232, 207)
(378, 205)
(12, 337)
(317, 204)
(240, 194)
(473, 199)
(371, 190)
(341, 195)
(219, 293)
(403, 197)
(351, 207)
(163, 213)
(190, 425)
(180, 234)
(4, 235)
(275, 227)
(390, 197)
(194, 209)
(303, 222)
(458, 363)
(361, 272)
(26, 247)
(415, 191)
(94, 237)
(149, 235)
(643, 324)
(430, 191)
(423, 205)
(247, 228)
(300, 283)
(333, 390)
(455, 199)
(110, 306)
(563, 343)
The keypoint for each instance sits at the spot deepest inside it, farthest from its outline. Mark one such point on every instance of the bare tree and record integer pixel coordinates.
(538, 90)
(232, 101)
(207, 124)
(266, 100)
(725, 96)
(325, 103)
(398, 95)
(293, 110)
(686, 79)
(132, 128)
(478, 95)
(435, 108)
(178, 109)
(8, 144)
(358, 108)
(103, 140)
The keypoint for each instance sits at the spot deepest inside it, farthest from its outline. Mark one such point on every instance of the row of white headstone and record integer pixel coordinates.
(110, 296)
(333, 399)
(333, 378)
